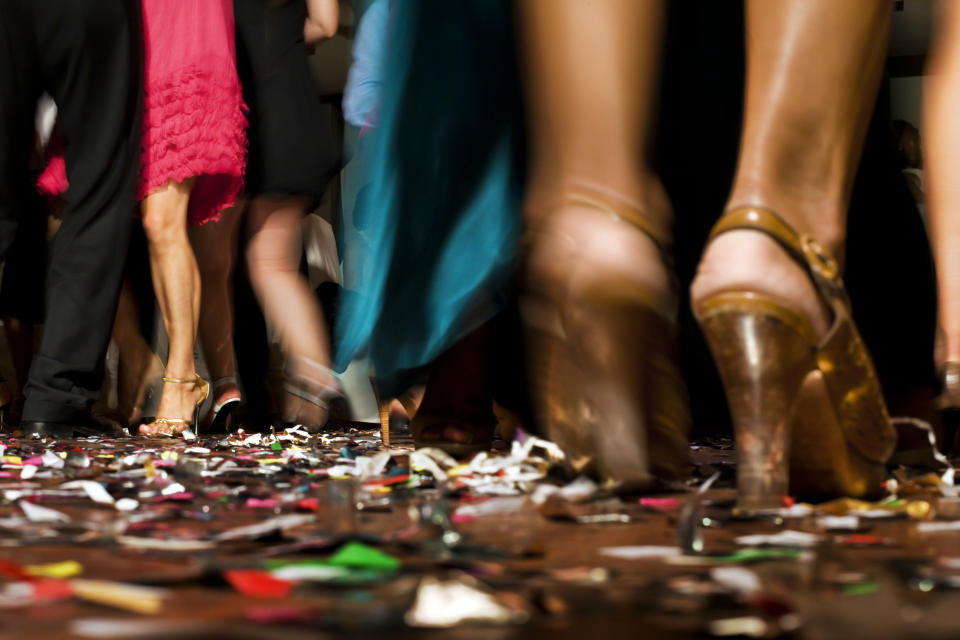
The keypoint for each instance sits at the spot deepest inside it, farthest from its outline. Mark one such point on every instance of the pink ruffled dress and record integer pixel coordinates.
(193, 110)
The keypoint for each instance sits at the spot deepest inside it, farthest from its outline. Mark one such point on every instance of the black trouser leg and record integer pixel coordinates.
(90, 62)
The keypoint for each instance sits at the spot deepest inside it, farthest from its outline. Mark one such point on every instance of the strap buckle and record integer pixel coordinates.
(819, 258)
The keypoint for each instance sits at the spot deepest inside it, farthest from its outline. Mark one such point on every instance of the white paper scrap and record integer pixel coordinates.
(639, 551)
(936, 527)
(126, 504)
(52, 460)
(839, 523)
(737, 579)
(36, 513)
(94, 490)
(318, 573)
(788, 538)
(446, 604)
(265, 527)
(171, 489)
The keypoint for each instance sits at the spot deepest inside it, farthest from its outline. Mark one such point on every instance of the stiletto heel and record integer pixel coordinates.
(602, 358)
(197, 382)
(808, 414)
(221, 414)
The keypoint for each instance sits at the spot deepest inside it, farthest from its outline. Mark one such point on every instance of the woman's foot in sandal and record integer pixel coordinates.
(313, 394)
(808, 413)
(179, 406)
(226, 401)
(599, 308)
(455, 413)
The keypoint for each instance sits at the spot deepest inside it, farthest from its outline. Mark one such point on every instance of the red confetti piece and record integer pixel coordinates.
(10, 569)
(387, 481)
(309, 504)
(863, 539)
(258, 584)
(51, 589)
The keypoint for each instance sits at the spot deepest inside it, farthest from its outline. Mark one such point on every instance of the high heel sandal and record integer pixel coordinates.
(197, 382)
(808, 413)
(328, 396)
(222, 413)
(602, 361)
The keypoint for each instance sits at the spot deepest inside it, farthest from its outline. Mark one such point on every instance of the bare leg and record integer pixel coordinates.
(813, 67)
(176, 283)
(274, 250)
(597, 287)
(942, 161)
(573, 53)
(215, 245)
(139, 366)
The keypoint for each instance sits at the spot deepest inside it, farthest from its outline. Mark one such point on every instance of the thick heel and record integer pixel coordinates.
(763, 352)
(383, 409)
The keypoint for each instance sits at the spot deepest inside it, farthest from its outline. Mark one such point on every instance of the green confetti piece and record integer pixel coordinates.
(860, 589)
(359, 556)
(276, 446)
(756, 555)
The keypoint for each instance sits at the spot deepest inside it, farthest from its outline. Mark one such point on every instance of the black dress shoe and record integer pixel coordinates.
(80, 427)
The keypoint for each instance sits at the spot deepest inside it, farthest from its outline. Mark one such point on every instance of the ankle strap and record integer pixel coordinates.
(325, 370)
(631, 215)
(804, 249)
(196, 380)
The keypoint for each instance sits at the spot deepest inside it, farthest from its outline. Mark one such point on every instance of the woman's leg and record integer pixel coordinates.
(274, 251)
(597, 285)
(139, 366)
(591, 76)
(215, 246)
(813, 68)
(942, 163)
(176, 282)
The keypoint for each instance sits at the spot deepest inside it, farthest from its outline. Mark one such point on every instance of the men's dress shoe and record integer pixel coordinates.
(80, 427)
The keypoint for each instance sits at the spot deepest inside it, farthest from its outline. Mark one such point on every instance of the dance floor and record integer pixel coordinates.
(297, 536)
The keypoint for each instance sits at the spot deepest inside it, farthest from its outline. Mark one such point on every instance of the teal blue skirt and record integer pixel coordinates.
(442, 206)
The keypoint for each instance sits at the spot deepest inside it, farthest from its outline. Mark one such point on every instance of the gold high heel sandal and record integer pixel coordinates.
(808, 413)
(197, 382)
(602, 359)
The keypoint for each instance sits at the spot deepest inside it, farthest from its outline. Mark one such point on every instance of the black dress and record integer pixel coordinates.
(294, 149)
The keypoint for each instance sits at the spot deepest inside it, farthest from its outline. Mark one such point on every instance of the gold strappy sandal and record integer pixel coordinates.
(808, 413)
(602, 358)
(197, 382)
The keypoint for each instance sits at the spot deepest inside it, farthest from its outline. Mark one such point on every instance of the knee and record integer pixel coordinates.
(214, 262)
(262, 266)
(161, 226)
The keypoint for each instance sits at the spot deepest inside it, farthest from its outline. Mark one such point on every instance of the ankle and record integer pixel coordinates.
(579, 245)
(814, 211)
